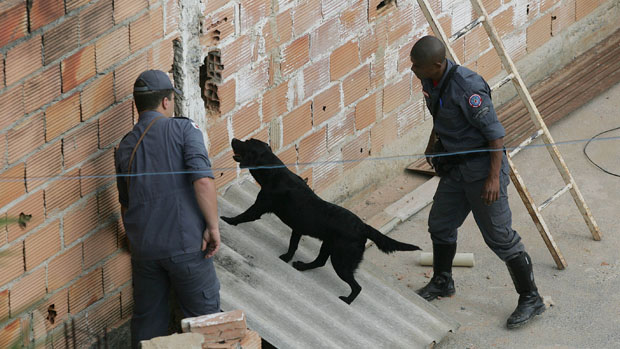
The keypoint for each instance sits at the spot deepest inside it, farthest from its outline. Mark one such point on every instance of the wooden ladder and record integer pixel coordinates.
(513, 75)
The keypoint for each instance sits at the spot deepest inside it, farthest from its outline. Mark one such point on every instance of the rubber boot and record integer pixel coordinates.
(442, 284)
(530, 302)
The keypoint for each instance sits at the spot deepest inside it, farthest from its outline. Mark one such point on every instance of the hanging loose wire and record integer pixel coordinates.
(585, 152)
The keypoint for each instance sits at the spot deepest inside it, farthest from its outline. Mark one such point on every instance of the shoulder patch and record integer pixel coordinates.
(475, 100)
(195, 125)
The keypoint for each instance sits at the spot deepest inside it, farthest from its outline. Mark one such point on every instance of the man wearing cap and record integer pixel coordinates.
(476, 180)
(169, 210)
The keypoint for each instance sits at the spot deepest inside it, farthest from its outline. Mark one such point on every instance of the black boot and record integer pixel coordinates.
(442, 284)
(530, 302)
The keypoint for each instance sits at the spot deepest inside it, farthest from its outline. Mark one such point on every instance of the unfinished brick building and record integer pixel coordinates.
(320, 80)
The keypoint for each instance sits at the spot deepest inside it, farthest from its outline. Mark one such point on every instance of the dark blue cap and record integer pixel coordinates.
(155, 80)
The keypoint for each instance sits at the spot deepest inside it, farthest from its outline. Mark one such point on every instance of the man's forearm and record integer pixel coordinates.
(496, 156)
(206, 195)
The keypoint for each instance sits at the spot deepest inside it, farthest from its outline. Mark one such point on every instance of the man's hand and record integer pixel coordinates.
(490, 190)
(210, 242)
(430, 148)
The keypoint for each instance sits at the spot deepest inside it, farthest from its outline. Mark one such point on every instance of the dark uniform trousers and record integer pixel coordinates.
(191, 276)
(453, 201)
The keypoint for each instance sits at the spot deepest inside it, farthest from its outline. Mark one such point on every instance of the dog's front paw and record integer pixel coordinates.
(286, 257)
(301, 266)
(229, 220)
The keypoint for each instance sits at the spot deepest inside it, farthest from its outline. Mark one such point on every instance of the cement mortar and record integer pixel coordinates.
(585, 295)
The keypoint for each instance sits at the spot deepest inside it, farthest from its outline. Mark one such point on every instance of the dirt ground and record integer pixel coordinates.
(585, 310)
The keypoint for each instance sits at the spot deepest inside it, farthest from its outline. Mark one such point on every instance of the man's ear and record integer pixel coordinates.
(166, 103)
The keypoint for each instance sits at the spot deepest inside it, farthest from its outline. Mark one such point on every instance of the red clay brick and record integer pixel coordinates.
(14, 19)
(324, 175)
(42, 245)
(115, 123)
(344, 59)
(62, 116)
(316, 77)
(61, 40)
(377, 73)
(97, 96)
(279, 31)
(126, 74)
(326, 104)
(218, 136)
(252, 11)
(254, 82)
(305, 15)
(22, 60)
(331, 8)
(12, 106)
(235, 55)
(476, 42)
(43, 12)
(227, 95)
(295, 55)
(80, 220)
(12, 261)
(397, 93)
(564, 16)
(11, 334)
(368, 44)
(546, 5)
(79, 144)
(71, 5)
(325, 37)
(404, 62)
(14, 186)
(85, 291)
(275, 102)
(172, 15)
(458, 47)
(504, 21)
(95, 20)
(314, 146)
(356, 85)
(219, 26)
(105, 315)
(366, 111)
(25, 137)
(585, 7)
(25, 292)
(246, 120)
(124, 9)
(382, 133)
(112, 48)
(116, 271)
(489, 65)
(374, 12)
(146, 29)
(355, 151)
(400, 22)
(45, 163)
(107, 202)
(100, 245)
(2, 70)
(42, 89)
(64, 267)
(78, 68)
(4, 305)
(289, 157)
(538, 33)
(410, 116)
(224, 169)
(491, 5)
(126, 301)
(354, 18)
(59, 303)
(297, 123)
(32, 205)
(62, 193)
(101, 165)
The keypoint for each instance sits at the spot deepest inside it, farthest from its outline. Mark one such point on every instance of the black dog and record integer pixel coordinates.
(288, 196)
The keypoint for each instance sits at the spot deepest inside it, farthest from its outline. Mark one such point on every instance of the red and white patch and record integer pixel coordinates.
(475, 100)
(426, 94)
(195, 125)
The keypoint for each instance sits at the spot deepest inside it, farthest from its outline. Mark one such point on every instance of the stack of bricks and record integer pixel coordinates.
(67, 69)
(324, 80)
(223, 331)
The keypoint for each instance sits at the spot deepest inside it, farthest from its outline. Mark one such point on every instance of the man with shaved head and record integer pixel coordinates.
(475, 180)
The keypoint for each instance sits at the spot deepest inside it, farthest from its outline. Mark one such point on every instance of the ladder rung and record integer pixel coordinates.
(526, 142)
(466, 30)
(555, 196)
(503, 82)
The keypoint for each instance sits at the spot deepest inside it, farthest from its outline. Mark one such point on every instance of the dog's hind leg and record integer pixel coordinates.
(320, 260)
(292, 247)
(345, 265)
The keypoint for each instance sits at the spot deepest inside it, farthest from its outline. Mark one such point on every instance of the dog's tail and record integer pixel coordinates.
(387, 244)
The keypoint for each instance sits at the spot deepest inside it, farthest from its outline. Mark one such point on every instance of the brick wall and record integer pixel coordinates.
(337, 63)
(67, 69)
(321, 80)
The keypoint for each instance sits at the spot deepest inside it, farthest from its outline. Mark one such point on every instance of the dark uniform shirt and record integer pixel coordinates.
(465, 119)
(163, 218)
